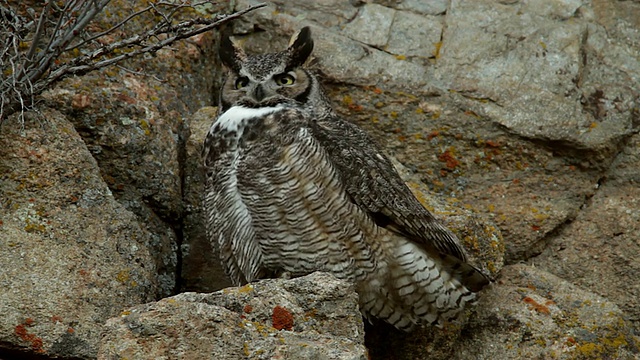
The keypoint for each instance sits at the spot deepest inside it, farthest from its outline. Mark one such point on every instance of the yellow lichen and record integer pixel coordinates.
(123, 276)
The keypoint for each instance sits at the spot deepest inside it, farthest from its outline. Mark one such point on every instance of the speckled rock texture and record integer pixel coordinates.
(71, 256)
(133, 124)
(312, 317)
(532, 314)
(527, 314)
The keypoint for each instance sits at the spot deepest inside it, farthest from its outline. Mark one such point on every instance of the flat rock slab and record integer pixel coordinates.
(312, 317)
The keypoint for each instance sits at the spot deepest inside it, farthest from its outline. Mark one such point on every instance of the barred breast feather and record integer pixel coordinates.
(290, 193)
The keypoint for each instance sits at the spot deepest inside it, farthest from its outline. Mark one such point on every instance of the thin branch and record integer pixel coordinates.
(110, 30)
(39, 30)
(141, 73)
(27, 73)
(82, 64)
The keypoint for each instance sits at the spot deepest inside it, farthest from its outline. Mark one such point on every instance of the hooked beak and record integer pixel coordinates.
(258, 93)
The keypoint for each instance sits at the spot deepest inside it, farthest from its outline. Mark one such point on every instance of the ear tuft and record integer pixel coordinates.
(300, 47)
(231, 54)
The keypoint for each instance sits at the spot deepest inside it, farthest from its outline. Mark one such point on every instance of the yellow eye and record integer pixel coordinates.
(241, 82)
(285, 79)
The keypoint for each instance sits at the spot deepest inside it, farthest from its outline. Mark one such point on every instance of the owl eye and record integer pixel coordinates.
(285, 79)
(242, 82)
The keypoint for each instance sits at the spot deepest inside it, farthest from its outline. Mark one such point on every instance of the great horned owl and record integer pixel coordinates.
(291, 188)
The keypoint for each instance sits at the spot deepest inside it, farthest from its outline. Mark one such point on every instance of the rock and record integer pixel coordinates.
(137, 149)
(415, 35)
(434, 7)
(600, 250)
(371, 25)
(312, 317)
(527, 314)
(134, 126)
(201, 268)
(70, 255)
(532, 314)
(519, 63)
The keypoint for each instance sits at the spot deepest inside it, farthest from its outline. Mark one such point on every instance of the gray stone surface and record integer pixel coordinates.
(520, 63)
(415, 35)
(313, 317)
(527, 314)
(371, 25)
(600, 250)
(137, 146)
(71, 256)
(531, 314)
(432, 7)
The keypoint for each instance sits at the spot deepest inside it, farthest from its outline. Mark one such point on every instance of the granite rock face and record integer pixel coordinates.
(527, 313)
(600, 249)
(312, 317)
(532, 314)
(71, 255)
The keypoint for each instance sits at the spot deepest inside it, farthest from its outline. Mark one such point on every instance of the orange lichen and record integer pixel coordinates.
(282, 318)
(21, 332)
(449, 159)
(534, 305)
(356, 107)
(432, 135)
(491, 143)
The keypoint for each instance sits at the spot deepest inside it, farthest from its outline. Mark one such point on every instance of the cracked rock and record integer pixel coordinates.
(312, 317)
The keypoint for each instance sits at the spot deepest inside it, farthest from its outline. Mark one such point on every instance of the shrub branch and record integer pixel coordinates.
(40, 49)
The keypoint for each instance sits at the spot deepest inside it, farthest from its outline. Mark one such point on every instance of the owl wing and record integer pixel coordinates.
(373, 184)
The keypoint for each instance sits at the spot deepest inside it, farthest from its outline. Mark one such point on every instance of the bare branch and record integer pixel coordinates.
(39, 30)
(37, 53)
(110, 30)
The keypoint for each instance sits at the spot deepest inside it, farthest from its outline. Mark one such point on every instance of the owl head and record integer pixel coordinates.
(267, 80)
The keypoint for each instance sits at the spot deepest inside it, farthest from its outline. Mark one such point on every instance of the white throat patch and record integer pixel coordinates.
(232, 119)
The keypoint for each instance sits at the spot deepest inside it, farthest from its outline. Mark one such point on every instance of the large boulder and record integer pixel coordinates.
(527, 314)
(71, 256)
(312, 317)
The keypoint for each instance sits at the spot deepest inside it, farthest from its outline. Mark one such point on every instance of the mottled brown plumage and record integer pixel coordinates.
(291, 188)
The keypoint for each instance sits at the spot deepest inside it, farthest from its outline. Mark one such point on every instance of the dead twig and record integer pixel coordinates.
(36, 46)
